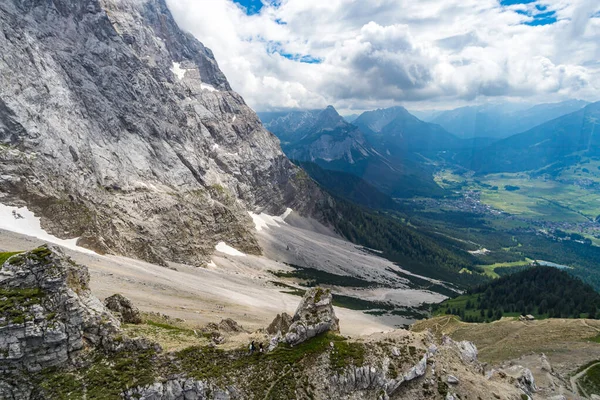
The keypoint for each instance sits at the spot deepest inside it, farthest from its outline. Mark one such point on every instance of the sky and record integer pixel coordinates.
(424, 54)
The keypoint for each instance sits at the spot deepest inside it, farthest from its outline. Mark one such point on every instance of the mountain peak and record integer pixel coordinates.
(331, 111)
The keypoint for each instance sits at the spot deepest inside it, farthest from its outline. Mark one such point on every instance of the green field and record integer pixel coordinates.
(568, 197)
(489, 269)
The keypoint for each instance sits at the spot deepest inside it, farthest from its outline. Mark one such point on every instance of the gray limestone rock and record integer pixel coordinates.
(523, 378)
(313, 316)
(179, 389)
(50, 314)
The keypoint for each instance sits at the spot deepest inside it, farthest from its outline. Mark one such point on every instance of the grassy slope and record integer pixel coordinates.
(567, 342)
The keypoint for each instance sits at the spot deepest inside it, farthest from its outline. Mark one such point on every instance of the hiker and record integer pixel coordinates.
(261, 348)
(252, 348)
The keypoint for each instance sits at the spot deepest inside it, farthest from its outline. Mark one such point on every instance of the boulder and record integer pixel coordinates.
(417, 371)
(522, 378)
(281, 324)
(467, 350)
(545, 363)
(452, 380)
(123, 309)
(314, 315)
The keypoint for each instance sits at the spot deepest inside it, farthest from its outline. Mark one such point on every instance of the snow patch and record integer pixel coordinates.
(262, 221)
(225, 248)
(214, 147)
(212, 264)
(21, 220)
(234, 118)
(177, 70)
(206, 86)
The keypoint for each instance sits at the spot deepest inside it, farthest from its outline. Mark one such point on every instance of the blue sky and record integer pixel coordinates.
(361, 55)
(252, 6)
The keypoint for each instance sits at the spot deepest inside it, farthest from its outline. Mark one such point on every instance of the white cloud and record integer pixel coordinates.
(413, 52)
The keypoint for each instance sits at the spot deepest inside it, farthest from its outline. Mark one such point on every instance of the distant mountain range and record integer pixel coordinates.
(551, 145)
(498, 120)
(382, 146)
(397, 153)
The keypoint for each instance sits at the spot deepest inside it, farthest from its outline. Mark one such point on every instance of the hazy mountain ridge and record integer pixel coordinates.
(398, 133)
(573, 134)
(499, 120)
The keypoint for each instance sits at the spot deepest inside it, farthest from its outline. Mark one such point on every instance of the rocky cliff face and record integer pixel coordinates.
(118, 128)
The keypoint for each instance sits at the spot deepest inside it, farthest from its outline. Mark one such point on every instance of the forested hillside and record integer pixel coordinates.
(544, 292)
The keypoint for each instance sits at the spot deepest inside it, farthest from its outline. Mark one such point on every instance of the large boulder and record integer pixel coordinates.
(123, 309)
(47, 312)
(313, 316)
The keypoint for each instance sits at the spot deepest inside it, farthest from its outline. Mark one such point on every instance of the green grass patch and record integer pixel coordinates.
(168, 327)
(273, 375)
(345, 354)
(5, 256)
(595, 339)
(104, 378)
(489, 270)
(590, 382)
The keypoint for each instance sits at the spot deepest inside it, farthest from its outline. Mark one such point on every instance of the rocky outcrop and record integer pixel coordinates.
(129, 136)
(179, 389)
(313, 316)
(228, 325)
(522, 378)
(280, 325)
(47, 314)
(123, 309)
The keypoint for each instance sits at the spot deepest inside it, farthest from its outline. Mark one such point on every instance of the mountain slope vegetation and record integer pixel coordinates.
(540, 291)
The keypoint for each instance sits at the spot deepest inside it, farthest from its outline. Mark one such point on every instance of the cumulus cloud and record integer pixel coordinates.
(358, 55)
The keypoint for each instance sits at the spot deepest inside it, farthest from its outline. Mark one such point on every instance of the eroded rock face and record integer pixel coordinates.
(129, 136)
(281, 324)
(123, 309)
(48, 313)
(228, 325)
(313, 316)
